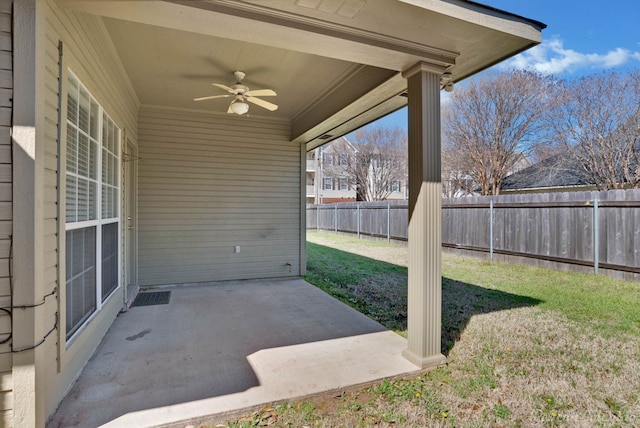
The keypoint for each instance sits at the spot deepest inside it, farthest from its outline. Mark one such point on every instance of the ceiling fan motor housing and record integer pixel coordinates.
(242, 94)
(239, 88)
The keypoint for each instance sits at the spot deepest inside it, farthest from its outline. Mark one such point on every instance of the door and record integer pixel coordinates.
(131, 214)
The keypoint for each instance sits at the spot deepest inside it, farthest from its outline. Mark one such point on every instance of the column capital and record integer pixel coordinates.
(424, 67)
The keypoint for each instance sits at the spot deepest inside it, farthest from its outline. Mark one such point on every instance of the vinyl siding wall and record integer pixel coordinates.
(6, 226)
(208, 183)
(89, 53)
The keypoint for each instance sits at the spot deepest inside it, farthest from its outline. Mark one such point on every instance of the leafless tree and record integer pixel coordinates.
(489, 121)
(456, 181)
(378, 157)
(598, 123)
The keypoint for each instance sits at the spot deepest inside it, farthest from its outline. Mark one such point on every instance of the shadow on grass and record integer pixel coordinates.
(379, 290)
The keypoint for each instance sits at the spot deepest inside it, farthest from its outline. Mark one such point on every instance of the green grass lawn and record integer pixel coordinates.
(525, 346)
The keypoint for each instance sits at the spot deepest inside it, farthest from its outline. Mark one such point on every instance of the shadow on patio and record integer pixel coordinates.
(227, 346)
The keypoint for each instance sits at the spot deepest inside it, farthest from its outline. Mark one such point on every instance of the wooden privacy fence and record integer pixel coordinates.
(579, 231)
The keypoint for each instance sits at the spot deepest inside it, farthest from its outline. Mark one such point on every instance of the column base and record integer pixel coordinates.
(424, 362)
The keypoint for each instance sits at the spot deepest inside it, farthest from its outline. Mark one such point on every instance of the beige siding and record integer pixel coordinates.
(6, 229)
(88, 53)
(208, 183)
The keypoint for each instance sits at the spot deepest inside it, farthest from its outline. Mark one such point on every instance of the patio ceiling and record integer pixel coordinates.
(334, 63)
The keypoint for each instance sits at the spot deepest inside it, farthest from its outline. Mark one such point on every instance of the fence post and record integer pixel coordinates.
(596, 237)
(358, 219)
(491, 229)
(317, 218)
(388, 222)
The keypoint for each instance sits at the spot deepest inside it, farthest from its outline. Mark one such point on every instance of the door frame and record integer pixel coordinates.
(130, 223)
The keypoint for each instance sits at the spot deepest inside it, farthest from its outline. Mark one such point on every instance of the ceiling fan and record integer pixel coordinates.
(241, 95)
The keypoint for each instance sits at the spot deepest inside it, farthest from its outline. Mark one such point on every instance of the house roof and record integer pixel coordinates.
(540, 25)
(560, 170)
(339, 145)
(336, 65)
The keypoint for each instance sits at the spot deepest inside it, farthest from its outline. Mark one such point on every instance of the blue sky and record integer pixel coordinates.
(582, 37)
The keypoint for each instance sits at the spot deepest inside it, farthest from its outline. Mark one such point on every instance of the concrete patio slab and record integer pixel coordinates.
(227, 346)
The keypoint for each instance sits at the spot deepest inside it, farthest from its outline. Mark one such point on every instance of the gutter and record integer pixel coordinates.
(538, 24)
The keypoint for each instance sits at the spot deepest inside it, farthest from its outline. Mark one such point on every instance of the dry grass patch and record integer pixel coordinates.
(537, 368)
(526, 347)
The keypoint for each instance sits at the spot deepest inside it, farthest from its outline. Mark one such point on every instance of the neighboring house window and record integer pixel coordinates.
(328, 159)
(344, 159)
(395, 186)
(344, 184)
(92, 206)
(328, 184)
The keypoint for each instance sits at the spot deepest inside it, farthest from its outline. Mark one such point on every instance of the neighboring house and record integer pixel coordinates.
(456, 183)
(335, 187)
(557, 173)
(112, 178)
(521, 163)
(312, 176)
(327, 181)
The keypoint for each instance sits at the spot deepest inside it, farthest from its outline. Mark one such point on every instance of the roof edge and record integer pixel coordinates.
(539, 24)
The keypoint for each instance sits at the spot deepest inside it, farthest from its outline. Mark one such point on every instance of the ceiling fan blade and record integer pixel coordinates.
(211, 97)
(261, 93)
(224, 87)
(262, 103)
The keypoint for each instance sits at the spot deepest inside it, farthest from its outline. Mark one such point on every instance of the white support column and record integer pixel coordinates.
(28, 185)
(425, 218)
(303, 211)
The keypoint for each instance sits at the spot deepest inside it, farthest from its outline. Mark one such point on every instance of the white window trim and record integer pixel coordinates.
(324, 184)
(343, 185)
(328, 158)
(99, 221)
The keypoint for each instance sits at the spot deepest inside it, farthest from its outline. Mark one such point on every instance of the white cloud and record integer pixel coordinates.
(551, 57)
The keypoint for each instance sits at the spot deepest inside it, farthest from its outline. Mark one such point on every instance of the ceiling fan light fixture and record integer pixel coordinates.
(242, 95)
(239, 107)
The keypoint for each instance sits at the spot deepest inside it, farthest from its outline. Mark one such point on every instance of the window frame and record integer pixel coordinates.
(328, 158)
(343, 185)
(327, 183)
(101, 220)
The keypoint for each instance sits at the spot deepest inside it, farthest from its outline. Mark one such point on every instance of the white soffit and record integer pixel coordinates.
(263, 24)
(334, 63)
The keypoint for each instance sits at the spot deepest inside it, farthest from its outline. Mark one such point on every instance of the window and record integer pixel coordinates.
(328, 158)
(328, 184)
(344, 184)
(92, 206)
(344, 159)
(395, 186)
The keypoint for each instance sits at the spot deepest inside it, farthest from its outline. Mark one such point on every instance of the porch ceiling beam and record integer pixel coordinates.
(263, 25)
(378, 102)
